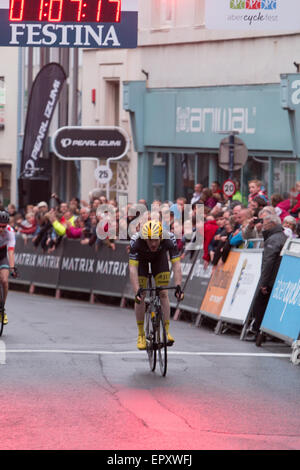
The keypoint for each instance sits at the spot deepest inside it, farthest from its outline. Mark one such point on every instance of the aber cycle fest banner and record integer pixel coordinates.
(250, 15)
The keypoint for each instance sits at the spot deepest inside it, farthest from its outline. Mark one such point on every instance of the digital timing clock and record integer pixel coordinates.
(62, 11)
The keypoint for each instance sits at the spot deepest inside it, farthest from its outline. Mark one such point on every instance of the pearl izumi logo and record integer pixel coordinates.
(253, 4)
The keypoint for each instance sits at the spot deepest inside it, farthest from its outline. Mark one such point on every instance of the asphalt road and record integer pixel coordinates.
(72, 378)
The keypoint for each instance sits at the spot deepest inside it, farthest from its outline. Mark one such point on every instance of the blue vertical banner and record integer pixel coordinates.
(282, 316)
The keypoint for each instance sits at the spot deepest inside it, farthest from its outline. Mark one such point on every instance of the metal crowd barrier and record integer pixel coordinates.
(224, 293)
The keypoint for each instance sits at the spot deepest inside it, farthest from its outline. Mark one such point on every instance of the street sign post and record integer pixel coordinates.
(108, 143)
(68, 23)
(233, 154)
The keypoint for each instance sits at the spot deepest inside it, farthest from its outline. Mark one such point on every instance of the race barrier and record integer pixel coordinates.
(195, 279)
(231, 289)
(72, 266)
(224, 293)
(282, 316)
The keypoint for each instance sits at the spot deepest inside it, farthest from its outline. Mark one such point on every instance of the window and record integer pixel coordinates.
(162, 12)
(199, 12)
(167, 11)
(112, 102)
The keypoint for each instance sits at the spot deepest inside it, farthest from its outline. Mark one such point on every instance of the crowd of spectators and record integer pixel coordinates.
(228, 222)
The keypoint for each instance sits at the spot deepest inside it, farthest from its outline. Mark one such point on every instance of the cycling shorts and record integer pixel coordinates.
(159, 268)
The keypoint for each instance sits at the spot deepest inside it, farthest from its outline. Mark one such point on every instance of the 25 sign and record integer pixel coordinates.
(56, 11)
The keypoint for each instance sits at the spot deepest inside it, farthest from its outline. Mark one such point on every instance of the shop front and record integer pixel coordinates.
(177, 135)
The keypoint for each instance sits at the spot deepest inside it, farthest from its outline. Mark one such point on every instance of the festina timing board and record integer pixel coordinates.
(69, 23)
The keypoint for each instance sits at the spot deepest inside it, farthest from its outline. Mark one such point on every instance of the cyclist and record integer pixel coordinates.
(7, 254)
(151, 245)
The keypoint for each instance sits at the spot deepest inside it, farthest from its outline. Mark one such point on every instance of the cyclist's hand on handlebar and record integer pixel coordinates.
(13, 272)
(138, 297)
(179, 294)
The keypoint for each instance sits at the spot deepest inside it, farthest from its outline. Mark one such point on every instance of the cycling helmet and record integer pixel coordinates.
(152, 229)
(4, 217)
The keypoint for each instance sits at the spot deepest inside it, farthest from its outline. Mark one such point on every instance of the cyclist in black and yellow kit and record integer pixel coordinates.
(152, 245)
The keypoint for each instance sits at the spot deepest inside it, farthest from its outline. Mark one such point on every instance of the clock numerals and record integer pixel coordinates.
(75, 11)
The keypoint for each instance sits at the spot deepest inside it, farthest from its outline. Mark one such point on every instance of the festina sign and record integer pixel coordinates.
(16, 30)
(76, 143)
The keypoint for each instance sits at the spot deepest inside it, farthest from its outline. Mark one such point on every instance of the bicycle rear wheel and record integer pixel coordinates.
(161, 341)
(151, 351)
(1, 310)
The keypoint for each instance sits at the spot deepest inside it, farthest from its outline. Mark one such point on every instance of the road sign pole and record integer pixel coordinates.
(231, 155)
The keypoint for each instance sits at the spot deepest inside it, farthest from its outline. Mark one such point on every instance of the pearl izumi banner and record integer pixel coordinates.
(250, 15)
(44, 95)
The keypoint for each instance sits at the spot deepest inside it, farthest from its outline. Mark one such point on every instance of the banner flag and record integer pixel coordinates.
(44, 95)
(253, 15)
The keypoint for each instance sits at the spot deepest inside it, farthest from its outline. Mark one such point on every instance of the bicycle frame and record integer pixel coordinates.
(156, 336)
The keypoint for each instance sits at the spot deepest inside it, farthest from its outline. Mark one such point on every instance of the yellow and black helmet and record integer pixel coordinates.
(151, 229)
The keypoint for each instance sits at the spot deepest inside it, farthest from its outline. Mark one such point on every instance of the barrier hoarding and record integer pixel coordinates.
(195, 280)
(112, 270)
(35, 266)
(282, 318)
(218, 287)
(77, 269)
(242, 288)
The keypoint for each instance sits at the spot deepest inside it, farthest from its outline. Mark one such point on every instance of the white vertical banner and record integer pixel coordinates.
(242, 287)
(251, 15)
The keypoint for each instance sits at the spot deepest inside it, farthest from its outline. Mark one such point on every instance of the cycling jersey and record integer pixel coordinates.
(7, 242)
(140, 255)
(7, 238)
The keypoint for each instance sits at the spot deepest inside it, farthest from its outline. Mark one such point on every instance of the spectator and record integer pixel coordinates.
(197, 193)
(216, 190)
(238, 195)
(274, 240)
(207, 198)
(178, 208)
(85, 218)
(256, 189)
(257, 204)
(60, 226)
(296, 207)
(11, 209)
(28, 226)
(217, 239)
(210, 228)
(236, 212)
(253, 227)
(289, 226)
(223, 248)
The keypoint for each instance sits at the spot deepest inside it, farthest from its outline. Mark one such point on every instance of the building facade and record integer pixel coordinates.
(8, 124)
(181, 90)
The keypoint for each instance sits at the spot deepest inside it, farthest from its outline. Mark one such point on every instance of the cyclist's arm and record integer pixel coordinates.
(11, 257)
(133, 274)
(133, 264)
(177, 272)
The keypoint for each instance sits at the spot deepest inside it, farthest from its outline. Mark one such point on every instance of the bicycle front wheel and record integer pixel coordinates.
(161, 341)
(151, 350)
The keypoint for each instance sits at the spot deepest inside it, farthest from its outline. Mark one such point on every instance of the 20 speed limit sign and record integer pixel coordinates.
(229, 188)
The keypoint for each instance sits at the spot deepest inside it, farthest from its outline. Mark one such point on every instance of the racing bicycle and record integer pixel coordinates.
(155, 331)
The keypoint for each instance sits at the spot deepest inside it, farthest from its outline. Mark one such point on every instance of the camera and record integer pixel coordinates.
(257, 221)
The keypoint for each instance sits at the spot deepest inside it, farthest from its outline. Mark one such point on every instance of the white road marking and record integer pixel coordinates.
(123, 353)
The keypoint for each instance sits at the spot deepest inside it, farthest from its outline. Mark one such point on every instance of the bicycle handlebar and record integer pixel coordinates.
(159, 288)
